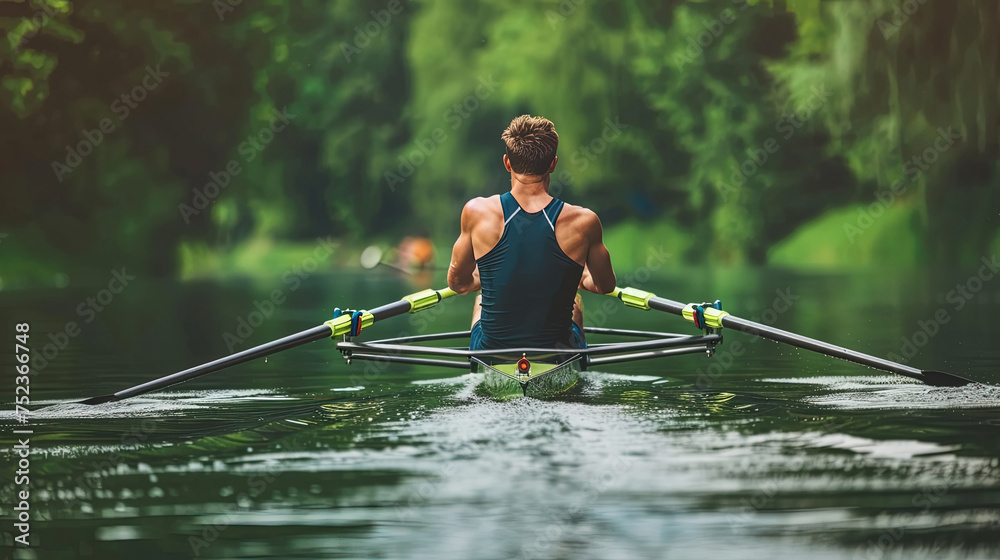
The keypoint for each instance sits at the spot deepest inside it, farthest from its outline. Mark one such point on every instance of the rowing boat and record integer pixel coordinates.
(526, 372)
(518, 372)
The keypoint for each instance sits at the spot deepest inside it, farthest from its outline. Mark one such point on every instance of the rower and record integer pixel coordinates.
(529, 252)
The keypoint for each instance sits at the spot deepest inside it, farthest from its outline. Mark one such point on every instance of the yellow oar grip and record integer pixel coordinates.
(427, 298)
(633, 297)
(447, 293)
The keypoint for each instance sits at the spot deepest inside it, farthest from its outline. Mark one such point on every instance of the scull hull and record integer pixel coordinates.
(502, 382)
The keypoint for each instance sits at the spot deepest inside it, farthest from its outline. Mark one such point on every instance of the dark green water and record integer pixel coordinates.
(774, 452)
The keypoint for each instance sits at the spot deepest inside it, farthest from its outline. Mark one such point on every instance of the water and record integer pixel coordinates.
(773, 452)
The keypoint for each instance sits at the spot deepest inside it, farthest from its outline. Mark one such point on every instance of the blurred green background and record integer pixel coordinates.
(791, 133)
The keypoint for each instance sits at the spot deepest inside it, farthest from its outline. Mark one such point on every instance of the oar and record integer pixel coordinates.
(716, 318)
(334, 327)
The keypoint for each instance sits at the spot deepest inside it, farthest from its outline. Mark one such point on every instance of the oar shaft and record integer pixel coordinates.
(304, 337)
(717, 318)
(778, 335)
(663, 304)
(337, 326)
(390, 309)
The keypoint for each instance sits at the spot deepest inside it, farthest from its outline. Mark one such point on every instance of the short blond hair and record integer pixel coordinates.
(531, 144)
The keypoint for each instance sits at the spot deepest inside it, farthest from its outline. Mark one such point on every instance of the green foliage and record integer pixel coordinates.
(890, 240)
(634, 244)
(900, 77)
(396, 108)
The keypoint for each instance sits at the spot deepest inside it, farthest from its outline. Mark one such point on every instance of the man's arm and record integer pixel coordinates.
(463, 277)
(598, 276)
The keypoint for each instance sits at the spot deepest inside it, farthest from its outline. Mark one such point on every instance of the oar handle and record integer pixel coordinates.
(716, 318)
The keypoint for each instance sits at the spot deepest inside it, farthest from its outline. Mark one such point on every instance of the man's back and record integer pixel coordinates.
(528, 280)
(528, 251)
(573, 229)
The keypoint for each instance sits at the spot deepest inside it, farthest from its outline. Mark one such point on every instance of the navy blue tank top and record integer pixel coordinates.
(529, 284)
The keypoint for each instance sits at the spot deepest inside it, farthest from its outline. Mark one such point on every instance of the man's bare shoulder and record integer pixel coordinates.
(581, 218)
(481, 206)
(481, 212)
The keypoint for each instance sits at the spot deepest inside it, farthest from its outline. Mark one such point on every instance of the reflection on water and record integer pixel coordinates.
(306, 457)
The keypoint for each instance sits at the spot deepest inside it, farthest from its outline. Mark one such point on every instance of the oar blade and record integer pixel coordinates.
(98, 400)
(944, 379)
